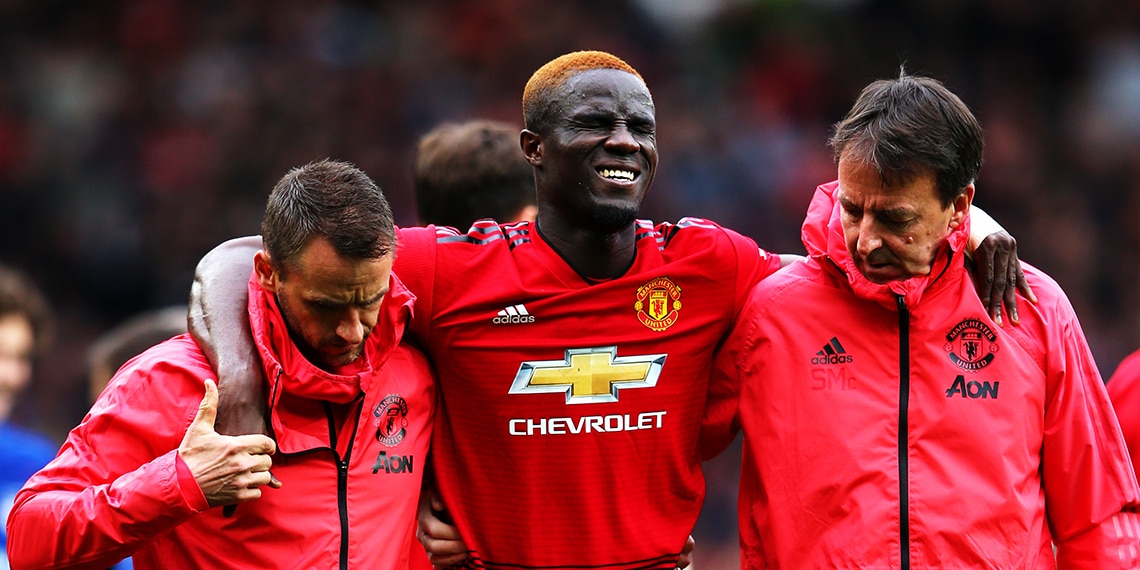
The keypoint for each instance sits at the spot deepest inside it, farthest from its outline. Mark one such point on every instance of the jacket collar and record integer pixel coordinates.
(822, 235)
(289, 371)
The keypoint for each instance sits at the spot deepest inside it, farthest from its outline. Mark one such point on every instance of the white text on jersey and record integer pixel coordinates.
(513, 315)
(586, 424)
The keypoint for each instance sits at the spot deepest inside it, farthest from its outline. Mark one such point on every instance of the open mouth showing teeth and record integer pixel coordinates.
(615, 174)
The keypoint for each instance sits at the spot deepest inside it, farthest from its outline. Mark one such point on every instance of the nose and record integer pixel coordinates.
(621, 140)
(356, 325)
(869, 239)
(351, 329)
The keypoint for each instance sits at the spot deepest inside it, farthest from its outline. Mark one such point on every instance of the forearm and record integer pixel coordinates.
(218, 320)
(218, 301)
(1111, 544)
(60, 520)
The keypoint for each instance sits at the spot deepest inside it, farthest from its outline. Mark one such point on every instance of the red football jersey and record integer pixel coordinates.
(567, 432)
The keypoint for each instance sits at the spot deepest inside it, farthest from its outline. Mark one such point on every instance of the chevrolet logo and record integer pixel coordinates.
(588, 375)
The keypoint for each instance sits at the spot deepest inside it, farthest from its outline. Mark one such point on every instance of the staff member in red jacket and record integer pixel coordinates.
(350, 415)
(888, 421)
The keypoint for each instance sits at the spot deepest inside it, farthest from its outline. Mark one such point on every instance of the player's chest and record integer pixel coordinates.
(648, 309)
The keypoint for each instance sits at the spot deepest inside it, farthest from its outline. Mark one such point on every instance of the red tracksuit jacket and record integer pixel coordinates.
(349, 494)
(897, 426)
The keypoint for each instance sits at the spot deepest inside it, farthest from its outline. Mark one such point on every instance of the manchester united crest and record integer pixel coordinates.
(658, 304)
(971, 345)
(390, 417)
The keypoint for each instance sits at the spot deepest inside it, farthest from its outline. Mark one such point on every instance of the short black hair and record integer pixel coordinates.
(330, 199)
(911, 125)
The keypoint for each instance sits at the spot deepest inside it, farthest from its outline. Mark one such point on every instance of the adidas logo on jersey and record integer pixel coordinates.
(515, 314)
(832, 353)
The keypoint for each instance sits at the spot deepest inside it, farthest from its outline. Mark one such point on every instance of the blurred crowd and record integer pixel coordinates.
(137, 134)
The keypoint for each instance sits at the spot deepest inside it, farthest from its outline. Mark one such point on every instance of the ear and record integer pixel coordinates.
(961, 205)
(531, 144)
(267, 276)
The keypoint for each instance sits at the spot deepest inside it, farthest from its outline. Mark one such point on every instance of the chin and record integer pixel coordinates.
(614, 218)
(879, 275)
(343, 359)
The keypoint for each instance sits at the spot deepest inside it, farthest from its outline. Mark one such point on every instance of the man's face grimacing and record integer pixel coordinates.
(602, 147)
(330, 302)
(894, 232)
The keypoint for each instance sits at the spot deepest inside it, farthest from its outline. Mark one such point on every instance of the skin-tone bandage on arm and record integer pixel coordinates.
(982, 226)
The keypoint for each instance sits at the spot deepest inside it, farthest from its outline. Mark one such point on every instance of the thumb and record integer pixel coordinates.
(208, 409)
(436, 500)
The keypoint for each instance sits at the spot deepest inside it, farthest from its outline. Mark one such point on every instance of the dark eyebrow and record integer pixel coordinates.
(891, 213)
(590, 114)
(377, 297)
(898, 213)
(326, 302)
(642, 119)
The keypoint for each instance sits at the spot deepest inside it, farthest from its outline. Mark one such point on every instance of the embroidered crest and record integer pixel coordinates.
(390, 417)
(658, 304)
(971, 345)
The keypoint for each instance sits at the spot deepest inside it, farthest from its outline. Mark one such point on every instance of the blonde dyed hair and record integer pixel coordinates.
(543, 83)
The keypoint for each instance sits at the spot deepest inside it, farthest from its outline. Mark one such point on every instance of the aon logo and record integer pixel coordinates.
(973, 389)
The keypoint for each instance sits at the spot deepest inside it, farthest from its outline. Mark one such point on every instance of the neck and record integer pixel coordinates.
(592, 254)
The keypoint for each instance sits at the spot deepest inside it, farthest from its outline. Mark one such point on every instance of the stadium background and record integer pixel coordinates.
(137, 134)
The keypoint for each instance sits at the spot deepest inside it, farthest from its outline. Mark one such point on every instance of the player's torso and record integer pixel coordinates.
(570, 410)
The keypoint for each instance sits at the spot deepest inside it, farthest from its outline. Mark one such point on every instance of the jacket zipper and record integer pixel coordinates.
(342, 479)
(903, 457)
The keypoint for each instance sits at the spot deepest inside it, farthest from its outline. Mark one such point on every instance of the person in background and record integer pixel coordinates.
(123, 342)
(129, 339)
(573, 352)
(1124, 391)
(350, 413)
(472, 170)
(888, 420)
(463, 172)
(26, 326)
